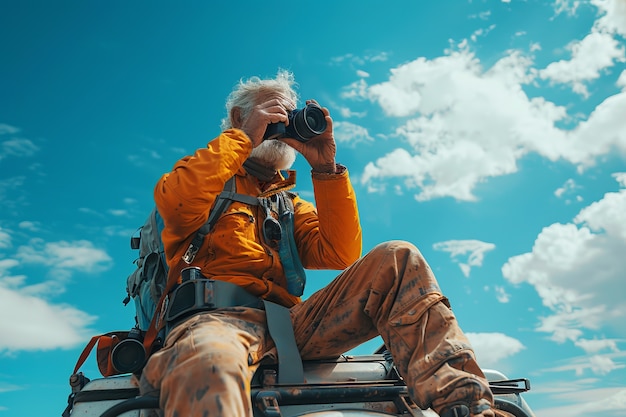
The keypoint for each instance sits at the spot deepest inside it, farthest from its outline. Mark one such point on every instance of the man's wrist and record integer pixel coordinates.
(335, 169)
(325, 169)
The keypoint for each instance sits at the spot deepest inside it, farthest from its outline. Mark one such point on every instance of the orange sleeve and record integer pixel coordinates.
(330, 236)
(185, 195)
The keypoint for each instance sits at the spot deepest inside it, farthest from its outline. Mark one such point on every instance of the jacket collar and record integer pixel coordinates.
(270, 181)
(260, 171)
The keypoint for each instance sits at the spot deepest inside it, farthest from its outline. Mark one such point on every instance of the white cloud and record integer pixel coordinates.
(576, 268)
(588, 402)
(361, 60)
(481, 32)
(6, 129)
(602, 365)
(347, 112)
(398, 162)
(607, 215)
(566, 6)
(28, 225)
(482, 15)
(5, 239)
(569, 185)
(596, 345)
(38, 324)
(492, 348)
(379, 57)
(118, 212)
(596, 52)
(17, 147)
(351, 134)
(501, 295)
(457, 248)
(613, 16)
(471, 125)
(465, 125)
(80, 255)
(621, 81)
(6, 387)
(568, 189)
(620, 177)
(598, 364)
(5, 265)
(355, 91)
(141, 159)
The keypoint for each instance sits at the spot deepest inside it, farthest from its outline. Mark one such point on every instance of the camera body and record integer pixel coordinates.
(304, 124)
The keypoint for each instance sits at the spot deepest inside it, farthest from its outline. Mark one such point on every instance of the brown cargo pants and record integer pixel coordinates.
(208, 360)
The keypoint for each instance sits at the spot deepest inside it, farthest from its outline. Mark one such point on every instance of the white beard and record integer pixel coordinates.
(275, 154)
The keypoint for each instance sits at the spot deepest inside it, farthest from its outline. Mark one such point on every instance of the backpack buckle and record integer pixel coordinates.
(190, 254)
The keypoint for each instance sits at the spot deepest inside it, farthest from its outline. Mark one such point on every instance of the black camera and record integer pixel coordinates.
(129, 355)
(304, 124)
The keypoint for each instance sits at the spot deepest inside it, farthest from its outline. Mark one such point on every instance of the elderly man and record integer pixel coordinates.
(205, 366)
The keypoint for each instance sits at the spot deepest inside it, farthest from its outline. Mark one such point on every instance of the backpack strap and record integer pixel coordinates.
(280, 327)
(288, 250)
(223, 201)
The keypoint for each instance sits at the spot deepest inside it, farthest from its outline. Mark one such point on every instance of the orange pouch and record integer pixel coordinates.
(106, 343)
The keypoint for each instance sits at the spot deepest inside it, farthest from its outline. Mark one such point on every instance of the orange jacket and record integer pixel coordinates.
(328, 237)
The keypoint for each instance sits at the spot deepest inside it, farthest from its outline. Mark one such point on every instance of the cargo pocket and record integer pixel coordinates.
(414, 311)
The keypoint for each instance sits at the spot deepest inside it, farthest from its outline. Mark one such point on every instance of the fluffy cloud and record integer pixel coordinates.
(80, 255)
(473, 125)
(613, 16)
(351, 134)
(492, 348)
(457, 248)
(463, 124)
(5, 239)
(6, 129)
(17, 147)
(39, 323)
(576, 268)
(596, 52)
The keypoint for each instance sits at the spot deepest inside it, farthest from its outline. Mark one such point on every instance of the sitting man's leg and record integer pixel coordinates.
(203, 368)
(392, 292)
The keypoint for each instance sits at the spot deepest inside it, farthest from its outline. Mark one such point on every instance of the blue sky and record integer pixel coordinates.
(491, 134)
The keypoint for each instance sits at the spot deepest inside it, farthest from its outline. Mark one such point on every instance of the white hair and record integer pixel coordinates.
(245, 94)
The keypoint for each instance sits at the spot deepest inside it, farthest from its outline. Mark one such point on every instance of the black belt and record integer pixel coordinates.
(197, 294)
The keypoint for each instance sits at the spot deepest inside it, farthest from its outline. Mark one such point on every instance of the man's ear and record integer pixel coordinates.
(236, 119)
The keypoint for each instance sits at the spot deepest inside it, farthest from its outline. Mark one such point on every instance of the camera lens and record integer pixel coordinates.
(308, 122)
(312, 121)
(128, 356)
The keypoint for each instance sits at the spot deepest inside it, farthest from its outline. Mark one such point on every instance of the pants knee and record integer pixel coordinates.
(398, 250)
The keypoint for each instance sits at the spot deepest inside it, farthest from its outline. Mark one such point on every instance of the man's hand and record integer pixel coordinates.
(320, 150)
(254, 124)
